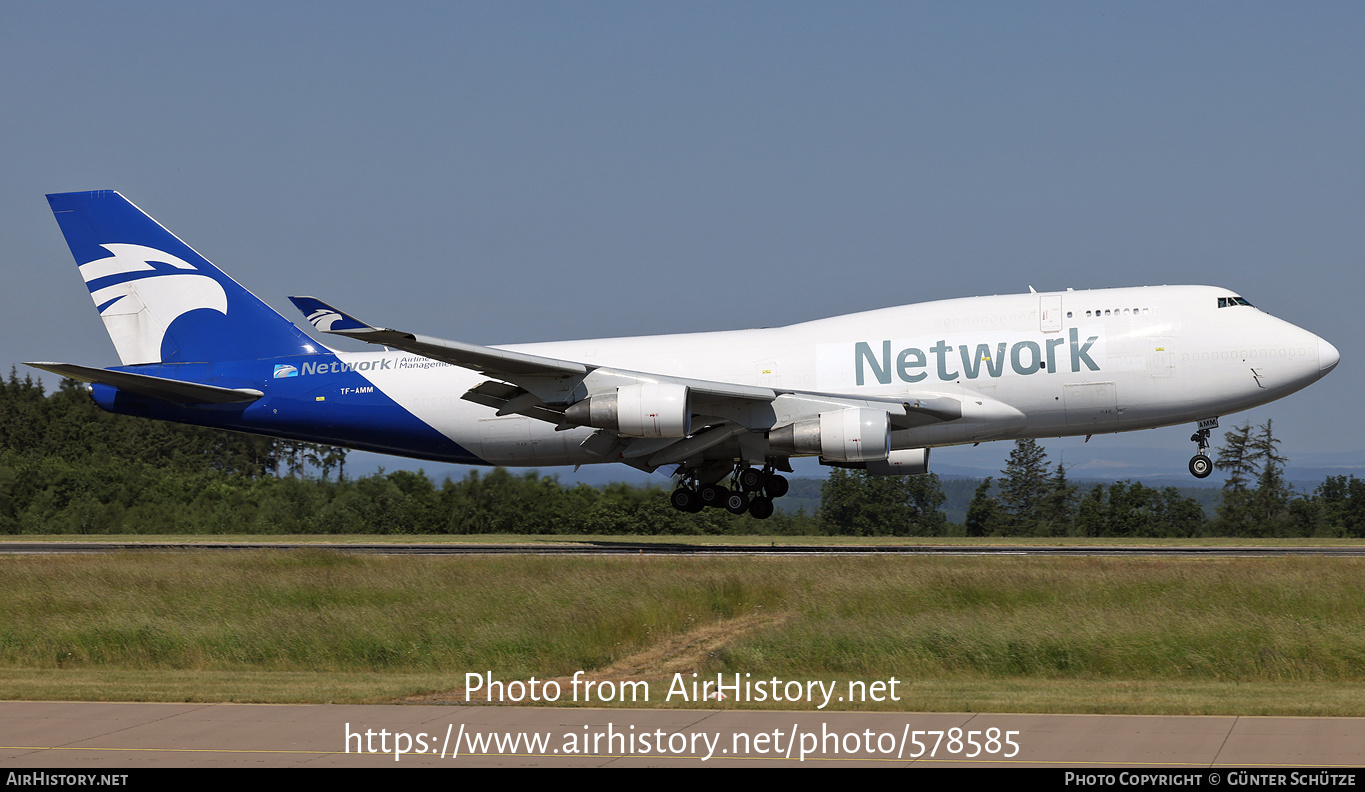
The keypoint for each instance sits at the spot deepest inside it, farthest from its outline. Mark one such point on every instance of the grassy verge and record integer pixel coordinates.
(1149, 635)
(779, 541)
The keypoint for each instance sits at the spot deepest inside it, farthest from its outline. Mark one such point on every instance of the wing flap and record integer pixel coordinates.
(510, 399)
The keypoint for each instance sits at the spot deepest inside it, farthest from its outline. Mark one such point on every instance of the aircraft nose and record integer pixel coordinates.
(1328, 356)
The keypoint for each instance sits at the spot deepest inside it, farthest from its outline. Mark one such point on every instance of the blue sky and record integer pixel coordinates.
(505, 172)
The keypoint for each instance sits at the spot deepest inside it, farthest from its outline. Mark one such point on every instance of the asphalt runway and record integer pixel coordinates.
(108, 736)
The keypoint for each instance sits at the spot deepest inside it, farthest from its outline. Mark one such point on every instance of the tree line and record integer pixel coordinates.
(68, 467)
(1032, 499)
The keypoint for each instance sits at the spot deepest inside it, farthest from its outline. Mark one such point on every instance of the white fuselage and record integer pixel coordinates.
(1029, 365)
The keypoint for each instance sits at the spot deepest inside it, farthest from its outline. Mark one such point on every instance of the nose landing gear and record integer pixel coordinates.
(1200, 464)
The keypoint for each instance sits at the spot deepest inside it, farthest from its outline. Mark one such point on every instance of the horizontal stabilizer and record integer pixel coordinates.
(170, 390)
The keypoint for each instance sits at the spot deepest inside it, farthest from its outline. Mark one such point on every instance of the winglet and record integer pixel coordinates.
(326, 318)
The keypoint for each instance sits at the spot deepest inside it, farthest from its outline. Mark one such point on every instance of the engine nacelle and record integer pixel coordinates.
(856, 434)
(901, 462)
(649, 409)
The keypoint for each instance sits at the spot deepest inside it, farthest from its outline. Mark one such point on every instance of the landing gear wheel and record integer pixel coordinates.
(1200, 464)
(736, 502)
(685, 499)
(776, 486)
(712, 494)
(761, 508)
(749, 479)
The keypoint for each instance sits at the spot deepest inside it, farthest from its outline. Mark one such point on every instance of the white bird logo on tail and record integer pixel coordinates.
(323, 319)
(137, 311)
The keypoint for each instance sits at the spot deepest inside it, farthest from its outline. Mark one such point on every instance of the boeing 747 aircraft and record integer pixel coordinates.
(728, 410)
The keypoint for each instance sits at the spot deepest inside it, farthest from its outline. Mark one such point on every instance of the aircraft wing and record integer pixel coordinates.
(485, 360)
(170, 390)
(541, 387)
(499, 363)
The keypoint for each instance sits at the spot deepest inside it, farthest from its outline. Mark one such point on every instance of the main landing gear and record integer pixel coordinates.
(1200, 464)
(753, 491)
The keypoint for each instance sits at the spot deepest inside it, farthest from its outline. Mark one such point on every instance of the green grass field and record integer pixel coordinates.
(1140, 635)
(684, 539)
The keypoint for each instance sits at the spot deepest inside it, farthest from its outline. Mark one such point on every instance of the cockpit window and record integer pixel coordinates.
(1228, 302)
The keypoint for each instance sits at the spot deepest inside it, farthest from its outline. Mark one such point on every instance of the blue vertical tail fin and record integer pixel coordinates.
(160, 300)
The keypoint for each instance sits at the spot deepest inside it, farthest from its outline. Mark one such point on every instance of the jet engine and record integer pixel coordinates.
(901, 462)
(855, 434)
(649, 409)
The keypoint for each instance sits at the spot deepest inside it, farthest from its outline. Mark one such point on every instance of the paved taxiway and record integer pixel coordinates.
(122, 735)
